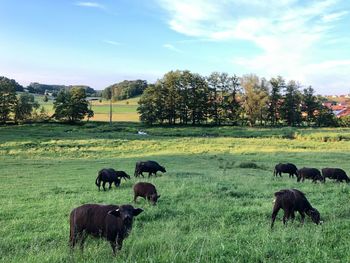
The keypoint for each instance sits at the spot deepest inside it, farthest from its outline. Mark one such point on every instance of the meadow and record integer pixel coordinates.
(216, 197)
(124, 110)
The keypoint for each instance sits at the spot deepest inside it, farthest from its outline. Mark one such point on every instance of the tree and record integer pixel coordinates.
(71, 105)
(151, 105)
(125, 89)
(8, 98)
(290, 109)
(255, 98)
(326, 117)
(24, 107)
(214, 98)
(171, 82)
(310, 104)
(277, 84)
(231, 103)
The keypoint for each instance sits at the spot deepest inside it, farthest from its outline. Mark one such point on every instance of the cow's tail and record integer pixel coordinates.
(98, 179)
(274, 172)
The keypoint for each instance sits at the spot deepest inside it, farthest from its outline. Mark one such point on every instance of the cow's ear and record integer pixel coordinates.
(137, 211)
(114, 212)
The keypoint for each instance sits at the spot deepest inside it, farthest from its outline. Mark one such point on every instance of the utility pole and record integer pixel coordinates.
(110, 108)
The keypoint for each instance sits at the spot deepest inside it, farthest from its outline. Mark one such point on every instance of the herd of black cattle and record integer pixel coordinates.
(114, 222)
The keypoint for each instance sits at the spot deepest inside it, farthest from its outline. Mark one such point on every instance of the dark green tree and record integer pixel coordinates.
(152, 104)
(8, 98)
(325, 117)
(310, 104)
(290, 110)
(71, 105)
(25, 106)
(277, 85)
(214, 85)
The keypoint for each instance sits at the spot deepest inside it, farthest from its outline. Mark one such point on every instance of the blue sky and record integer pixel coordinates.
(98, 43)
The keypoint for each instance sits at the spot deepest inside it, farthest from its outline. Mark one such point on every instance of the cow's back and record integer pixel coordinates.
(143, 188)
(91, 218)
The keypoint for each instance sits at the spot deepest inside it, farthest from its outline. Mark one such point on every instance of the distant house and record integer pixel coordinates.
(93, 98)
(340, 110)
(343, 113)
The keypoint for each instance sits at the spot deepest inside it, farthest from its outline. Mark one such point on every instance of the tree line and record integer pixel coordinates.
(183, 97)
(125, 89)
(70, 105)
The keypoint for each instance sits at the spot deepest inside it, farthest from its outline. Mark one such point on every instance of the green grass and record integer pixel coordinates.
(216, 198)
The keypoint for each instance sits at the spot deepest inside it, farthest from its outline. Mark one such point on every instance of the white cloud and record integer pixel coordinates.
(90, 4)
(111, 42)
(172, 48)
(334, 16)
(286, 32)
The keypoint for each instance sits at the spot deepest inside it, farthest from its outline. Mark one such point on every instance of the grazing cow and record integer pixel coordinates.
(147, 191)
(291, 200)
(107, 176)
(336, 174)
(289, 168)
(151, 167)
(122, 174)
(309, 173)
(109, 221)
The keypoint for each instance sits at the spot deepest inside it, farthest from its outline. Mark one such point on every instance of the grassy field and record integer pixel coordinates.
(214, 206)
(124, 110)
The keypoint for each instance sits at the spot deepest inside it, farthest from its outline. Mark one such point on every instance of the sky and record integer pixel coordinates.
(98, 43)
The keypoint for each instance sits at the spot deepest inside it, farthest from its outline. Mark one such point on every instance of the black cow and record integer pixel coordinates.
(112, 222)
(291, 201)
(310, 173)
(288, 168)
(107, 176)
(336, 174)
(150, 167)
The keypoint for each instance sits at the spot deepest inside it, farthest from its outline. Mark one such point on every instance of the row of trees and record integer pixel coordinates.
(70, 104)
(185, 97)
(125, 89)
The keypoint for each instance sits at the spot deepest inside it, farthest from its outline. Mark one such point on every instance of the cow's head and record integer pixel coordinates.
(126, 213)
(162, 169)
(315, 215)
(153, 198)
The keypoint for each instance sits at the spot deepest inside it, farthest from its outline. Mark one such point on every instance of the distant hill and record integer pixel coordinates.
(39, 88)
(125, 89)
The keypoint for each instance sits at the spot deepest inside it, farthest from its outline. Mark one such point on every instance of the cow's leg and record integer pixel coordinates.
(292, 215)
(302, 214)
(110, 185)
(303, 179)
(142, 175)
(103, 185)
(135, 197)
(274, 214)
(119, 243)
(149, 174)
(113, 245)
(82, 240)
(73, 238)
(286, 216)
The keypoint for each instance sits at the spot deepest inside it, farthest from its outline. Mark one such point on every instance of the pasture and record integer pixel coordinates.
(216, 197)
(124, 110)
